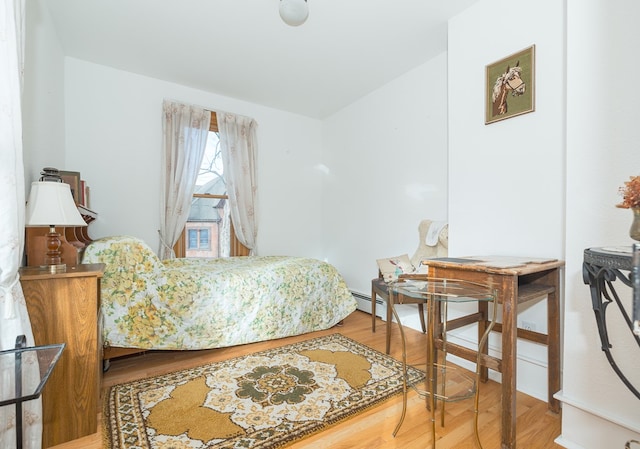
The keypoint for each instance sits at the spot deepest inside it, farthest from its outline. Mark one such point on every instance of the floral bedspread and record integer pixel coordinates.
(210, 303)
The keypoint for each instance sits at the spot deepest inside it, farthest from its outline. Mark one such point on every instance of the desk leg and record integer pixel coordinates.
(553, 342)
(509, 291)
(483, 325)
(373, 309)
(391, 311)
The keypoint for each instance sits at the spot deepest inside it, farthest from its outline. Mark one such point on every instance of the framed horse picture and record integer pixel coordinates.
(510, 86)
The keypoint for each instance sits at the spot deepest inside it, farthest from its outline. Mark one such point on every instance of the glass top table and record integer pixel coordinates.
(437, 294)
(450, 290)
(27, 370)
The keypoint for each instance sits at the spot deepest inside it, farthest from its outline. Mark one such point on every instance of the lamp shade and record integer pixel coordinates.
(51, 204)
(294, 12)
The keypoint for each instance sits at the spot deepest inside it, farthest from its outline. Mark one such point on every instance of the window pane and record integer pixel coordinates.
(210, 177)
(204, 239)
(193, 239)
(210, 216)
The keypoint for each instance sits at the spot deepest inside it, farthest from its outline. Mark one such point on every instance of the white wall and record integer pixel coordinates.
(43, 95)
(603, 138)
(113, 137)
(506, 179)
(526, 178)
(385, 160)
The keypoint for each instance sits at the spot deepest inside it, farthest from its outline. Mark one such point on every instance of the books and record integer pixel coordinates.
(84, 194)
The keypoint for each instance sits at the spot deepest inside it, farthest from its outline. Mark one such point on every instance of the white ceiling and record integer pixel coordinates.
(242, 49)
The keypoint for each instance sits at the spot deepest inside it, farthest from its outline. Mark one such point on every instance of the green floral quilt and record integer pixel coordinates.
(209, 303)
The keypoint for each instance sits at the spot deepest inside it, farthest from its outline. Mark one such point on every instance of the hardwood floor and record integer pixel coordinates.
(537, 427)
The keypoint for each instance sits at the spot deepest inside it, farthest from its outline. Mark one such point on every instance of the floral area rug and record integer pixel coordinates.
(263, 400)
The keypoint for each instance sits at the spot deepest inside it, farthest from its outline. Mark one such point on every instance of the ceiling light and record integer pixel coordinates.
(294, 12)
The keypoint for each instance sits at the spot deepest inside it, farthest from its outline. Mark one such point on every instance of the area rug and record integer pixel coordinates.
(268, 399)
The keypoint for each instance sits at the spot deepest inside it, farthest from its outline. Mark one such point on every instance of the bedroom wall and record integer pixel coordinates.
(589, 141)
(113, 137)
(43, 95)
(506, 179)
(385, 160)
(602, 152)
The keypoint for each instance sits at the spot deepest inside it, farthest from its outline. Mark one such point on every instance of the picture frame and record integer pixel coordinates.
(73, 179)
(510, 86)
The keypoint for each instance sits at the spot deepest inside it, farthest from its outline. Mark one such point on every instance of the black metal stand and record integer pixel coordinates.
(600, 269)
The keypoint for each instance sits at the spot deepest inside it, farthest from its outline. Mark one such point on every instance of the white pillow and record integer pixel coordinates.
(392, 267)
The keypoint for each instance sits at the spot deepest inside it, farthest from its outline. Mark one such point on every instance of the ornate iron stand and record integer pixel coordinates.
(600, 269)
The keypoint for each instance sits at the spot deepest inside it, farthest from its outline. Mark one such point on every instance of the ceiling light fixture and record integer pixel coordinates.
(294, 12)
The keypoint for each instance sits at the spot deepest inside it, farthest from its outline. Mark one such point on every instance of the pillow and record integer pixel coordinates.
(392, 267)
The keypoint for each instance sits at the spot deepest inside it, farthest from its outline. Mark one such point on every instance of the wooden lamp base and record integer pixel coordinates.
(53, 258)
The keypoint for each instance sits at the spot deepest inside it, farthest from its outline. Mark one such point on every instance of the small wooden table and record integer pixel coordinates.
(516, 280)
(64, 308)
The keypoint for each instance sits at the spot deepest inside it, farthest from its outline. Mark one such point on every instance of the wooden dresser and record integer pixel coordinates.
(64, 308)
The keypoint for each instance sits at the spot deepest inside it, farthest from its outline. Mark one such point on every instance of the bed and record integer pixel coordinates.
(185, 304)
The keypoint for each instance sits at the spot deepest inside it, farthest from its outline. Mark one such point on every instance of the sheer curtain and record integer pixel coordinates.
(14, 319)
(184, 138)
(239, 146)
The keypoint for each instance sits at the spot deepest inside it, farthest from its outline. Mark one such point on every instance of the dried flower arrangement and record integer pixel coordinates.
(630, 193)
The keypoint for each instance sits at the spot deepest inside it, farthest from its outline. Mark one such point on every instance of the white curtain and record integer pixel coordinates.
(184, 138)
(14, 319)
(239, 146)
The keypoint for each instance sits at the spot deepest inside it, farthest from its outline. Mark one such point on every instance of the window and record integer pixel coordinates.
(198, 239)
(208, 231)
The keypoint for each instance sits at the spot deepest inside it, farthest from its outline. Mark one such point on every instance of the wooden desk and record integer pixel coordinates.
(516, 280)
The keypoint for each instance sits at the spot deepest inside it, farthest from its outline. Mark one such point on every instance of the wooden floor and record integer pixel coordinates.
(537, 427)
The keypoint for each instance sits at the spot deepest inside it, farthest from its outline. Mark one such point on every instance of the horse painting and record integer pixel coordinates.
(509, 81)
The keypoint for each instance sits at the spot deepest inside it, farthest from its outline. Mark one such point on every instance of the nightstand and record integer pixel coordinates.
(64, 308)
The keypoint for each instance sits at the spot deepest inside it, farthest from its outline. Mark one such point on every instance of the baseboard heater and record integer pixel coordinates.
(364, 303)
(363, 297)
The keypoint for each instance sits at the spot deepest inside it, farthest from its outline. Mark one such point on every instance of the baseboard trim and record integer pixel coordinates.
(589, 426)
(598, 413)
(568, 444)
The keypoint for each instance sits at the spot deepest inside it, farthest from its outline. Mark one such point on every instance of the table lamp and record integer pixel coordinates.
(51, 204)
